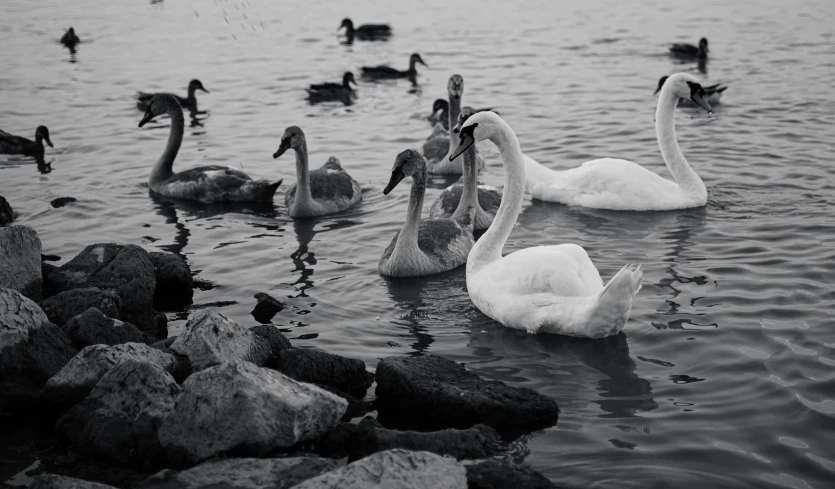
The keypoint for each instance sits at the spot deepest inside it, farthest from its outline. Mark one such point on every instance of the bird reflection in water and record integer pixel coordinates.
(303, 259)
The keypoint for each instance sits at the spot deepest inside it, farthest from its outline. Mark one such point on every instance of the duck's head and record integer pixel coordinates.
(703, 44)
(159, 105)
(347, 24)
(195, 85)
(71, 31)
(415, 58)
(347, 78)
(475, 127)
(293, 137)
(455, 87)
(686, 86)
(439, 104)
(43, 133)
(408, 163)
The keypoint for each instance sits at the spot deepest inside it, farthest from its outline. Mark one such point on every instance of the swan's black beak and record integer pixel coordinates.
(699, 99)
(397, 176)
(48, 142)
(466, 141)
(146, 118)
(282, 148)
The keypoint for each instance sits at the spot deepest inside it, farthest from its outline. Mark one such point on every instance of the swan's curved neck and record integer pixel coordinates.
(454, 111)
(163, 168)
(489, 247)
(469, 191)
(665, 131)
(303, 194)
(409, 233)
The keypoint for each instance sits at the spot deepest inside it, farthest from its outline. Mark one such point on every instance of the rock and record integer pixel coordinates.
(495, 473)
(174, 288)
(31, 349)
(120, 417)
(210, 338)
(52, 481)
(91, 327)
(242, 409)
(126, 269)
(242, 473)
(182, 366)
(6, 212)
(64, 306)
(81, 374)
(62, 201)
(480, 441)
(273, 341)
(356, 406)
(320, 367)
(20, 260)
(394, 468)
(446, 394)
(266, 308)
(338, 442)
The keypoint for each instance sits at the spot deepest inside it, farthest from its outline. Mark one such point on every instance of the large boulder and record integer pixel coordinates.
(81, 374)
(495, 473)
(20, 260)
(242, 473)
(52, 481)
(210, 338)
(31, 349)
(120, 418)
(182, 368)
(242, 409)
(320, 367)
(6, 212)
(394, 468)
(91, 327)
(126, 269)
(444, 393)
(62, 307)
(273, 343)
(174, 287)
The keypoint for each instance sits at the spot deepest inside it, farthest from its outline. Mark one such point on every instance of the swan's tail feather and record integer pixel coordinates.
(614, 303)
(260, 191)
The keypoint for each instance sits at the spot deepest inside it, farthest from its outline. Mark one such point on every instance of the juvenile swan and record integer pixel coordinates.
(428, 246)
(205, 184)
(615, 184)
(438, 144)
(545, 289)
(319, 192)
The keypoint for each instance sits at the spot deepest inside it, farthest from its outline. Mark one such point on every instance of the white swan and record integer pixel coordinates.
(610, 183)
(545, 289)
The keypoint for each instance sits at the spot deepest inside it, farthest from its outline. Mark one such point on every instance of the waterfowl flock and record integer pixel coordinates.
(551, 288)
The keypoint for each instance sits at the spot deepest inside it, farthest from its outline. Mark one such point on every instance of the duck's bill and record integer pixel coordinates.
(700, 100)
(203, 90)
(424, 64)
(466, 142)
(146, 118)
(48, 142)
(396, 176)
(284, 146)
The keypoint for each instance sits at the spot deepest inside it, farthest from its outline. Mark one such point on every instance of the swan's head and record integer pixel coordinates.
(159, 105)
(43, 133)
(347, 78)
(455, 87)
(473, 128)
(703, 44)
(347, 24)
(293, 137)
(195, 85)
(686, 86)
(440, 104)
(407, 164)
(415, 58)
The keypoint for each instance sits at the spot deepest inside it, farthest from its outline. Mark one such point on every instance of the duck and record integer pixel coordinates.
(423, 246)
(713, 92)
(365, 31)
(440, 113)
(17, 145)
(333, 90)
(617, 184)
(437, 145)
(387, 72)
(326, 190)
(189, 102)
(543, 289)
(70, 39)
(685, 50)
(206, 184)
(465, 196)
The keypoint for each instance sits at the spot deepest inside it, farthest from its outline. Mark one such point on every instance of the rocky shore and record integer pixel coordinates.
(94, 389)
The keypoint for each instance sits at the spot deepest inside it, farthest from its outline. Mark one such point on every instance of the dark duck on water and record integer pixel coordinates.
(684, 50)
(70, 39)
(365, 31)
(387, 72)
(189, 102)
(333, 90)
(17, 145)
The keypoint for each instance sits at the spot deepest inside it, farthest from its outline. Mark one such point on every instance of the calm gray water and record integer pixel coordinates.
(724, 376)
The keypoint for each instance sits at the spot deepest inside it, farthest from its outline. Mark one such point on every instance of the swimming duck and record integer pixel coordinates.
(205, 184)
(387, 72)
(365, 31)
(327, 190)
(16, 145)
(70, 39)
(190, 102)
(333, 90)
(440, 113)
(543, 289)
(437, 145)
(616, 184)
(684, 50)
(713, 93)
(460, 198)
(423, 246)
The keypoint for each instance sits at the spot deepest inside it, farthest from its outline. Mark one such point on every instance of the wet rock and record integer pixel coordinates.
(210, 338)
(64, 306)
(242, 409)
(120, 417)
(446, 394)
(126, 269)
(31, 349)
(6, 212)
(273, 341)
(62, 201)
(394, 468)
(320, 367)
(91, 327)
(20, 260)
(80, 375)
(52, 481)
(337, 442)
(356, 406)
(480, 441)
(266, 308)
(242, 473)
(500, 474)
(174, 289)
(182, 365)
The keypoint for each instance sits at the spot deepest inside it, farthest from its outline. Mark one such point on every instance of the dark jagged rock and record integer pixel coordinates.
(182, 366)
(121, 416)
(64, 306)
(336, 443)
(266, 308)
(320, 367)
(52, 481)
(20, 260)
(31, 350)
(445, 394)
(91, 327)
(174, 289)
(273, 341)
(356, 406)
(500, 474)
(62, 201)
(6, 212)
(210, 338)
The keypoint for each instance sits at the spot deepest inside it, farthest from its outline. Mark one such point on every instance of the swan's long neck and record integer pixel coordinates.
(454, 111)
(163, 168)
(303, 195)
(409, 234)
(665, 131)
(489, 247)
(469, 191)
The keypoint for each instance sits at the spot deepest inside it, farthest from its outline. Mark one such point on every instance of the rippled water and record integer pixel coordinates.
(724, 376)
